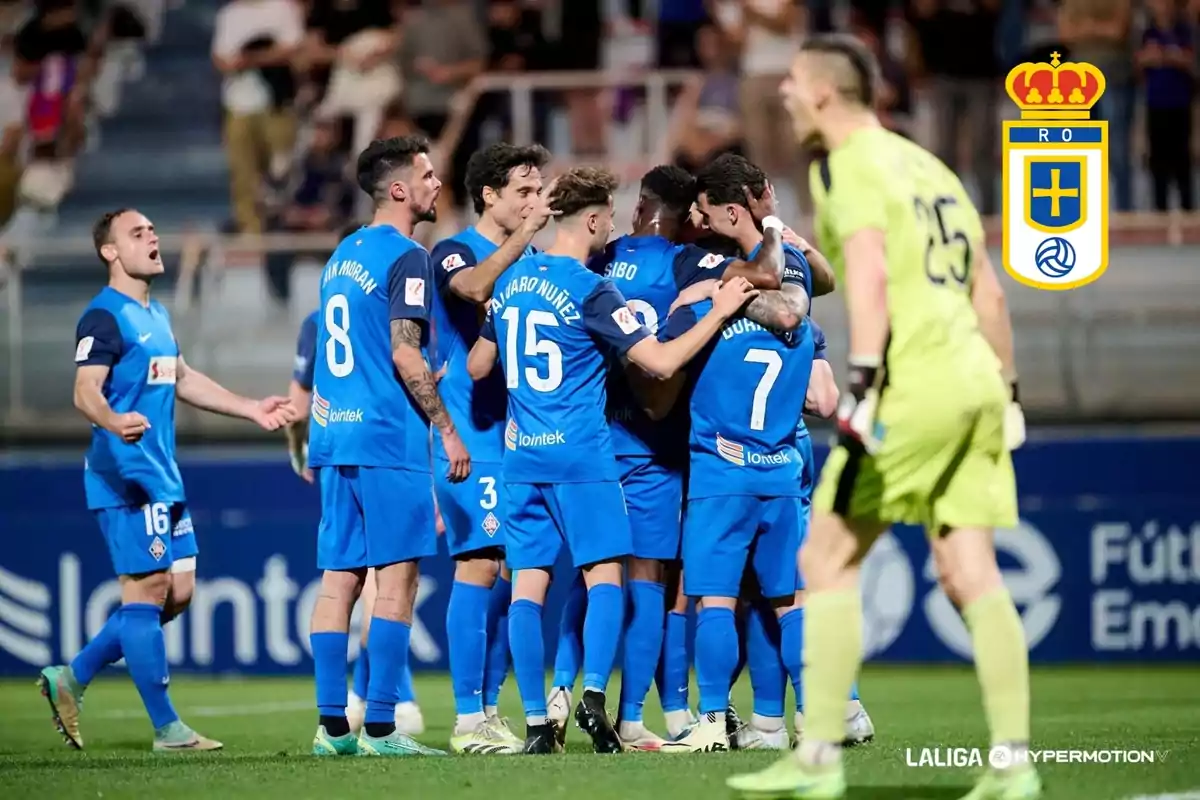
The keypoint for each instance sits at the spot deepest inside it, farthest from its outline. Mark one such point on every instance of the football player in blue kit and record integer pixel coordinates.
(553, 323)
(504, 182)
(650, 270)
(408, 714)
(743, 507)
(374, 398)
(129, 373)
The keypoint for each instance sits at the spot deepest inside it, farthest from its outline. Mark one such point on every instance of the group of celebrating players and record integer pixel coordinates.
(639, 403)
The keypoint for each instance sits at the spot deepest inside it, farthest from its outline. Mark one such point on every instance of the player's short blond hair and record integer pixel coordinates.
(583, 187)
(853, 67)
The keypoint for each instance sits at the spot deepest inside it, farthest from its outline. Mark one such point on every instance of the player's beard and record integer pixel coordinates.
(426, 215)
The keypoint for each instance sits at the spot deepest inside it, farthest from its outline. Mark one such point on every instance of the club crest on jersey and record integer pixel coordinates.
(1055, 163)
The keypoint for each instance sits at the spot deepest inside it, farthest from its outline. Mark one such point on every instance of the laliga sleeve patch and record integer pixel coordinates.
(453, 262)
(711, 261)
(625, 320)
(414, 291)
(84, 348)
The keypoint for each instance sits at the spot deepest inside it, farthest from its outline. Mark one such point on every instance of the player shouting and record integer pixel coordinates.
(922, 426)
(505, 184)
(555, 322)
(374, 397)
(129, 372)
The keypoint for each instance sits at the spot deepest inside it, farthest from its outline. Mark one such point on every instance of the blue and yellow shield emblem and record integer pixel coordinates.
(1056, 192)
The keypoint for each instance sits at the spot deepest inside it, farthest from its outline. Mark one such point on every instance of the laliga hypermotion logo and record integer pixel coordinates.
(1055, 177)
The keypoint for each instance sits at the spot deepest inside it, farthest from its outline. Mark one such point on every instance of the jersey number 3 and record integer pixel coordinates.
(534, 347)
(942, 259)
(339, 353)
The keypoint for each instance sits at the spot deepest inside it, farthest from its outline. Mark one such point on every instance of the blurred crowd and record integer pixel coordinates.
(307, 83)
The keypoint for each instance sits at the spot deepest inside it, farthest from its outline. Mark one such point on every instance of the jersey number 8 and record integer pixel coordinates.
(945, 241)
(533, 347)
(339, 353)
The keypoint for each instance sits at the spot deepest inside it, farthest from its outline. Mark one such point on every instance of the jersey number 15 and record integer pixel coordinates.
(534, 347)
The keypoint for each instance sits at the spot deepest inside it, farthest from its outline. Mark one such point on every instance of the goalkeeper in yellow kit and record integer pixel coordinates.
(926, 425)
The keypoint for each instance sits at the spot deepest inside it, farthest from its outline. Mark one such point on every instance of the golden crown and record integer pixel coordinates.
(1054, 90)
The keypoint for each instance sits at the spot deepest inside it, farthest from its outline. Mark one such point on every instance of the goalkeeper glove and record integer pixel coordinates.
(1014, 421)
(858, 406)
(300, 459)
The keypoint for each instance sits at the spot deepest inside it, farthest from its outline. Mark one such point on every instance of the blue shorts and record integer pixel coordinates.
(721, 533)
(654, 497)
(473, 511)
(374, 516)
(589, 517)
(150, 538)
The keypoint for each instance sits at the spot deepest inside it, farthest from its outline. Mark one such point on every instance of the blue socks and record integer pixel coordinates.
(529, 657)
(643, 645)
(716, 658)
(404, 689)
(388, 644)
(767, 676)
(329, 651)
(601, 634)
(362, 674)
(791, 647)
(569, 655)
(496, 669)
(101, 651)
(672, 677)
(467, 633)
(141, 640)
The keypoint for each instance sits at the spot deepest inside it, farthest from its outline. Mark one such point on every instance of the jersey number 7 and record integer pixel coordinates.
(534, 347)
(758, 410)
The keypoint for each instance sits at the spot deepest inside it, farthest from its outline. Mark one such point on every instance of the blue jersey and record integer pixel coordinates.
(556, 323)
(650, 271)
(477, 408)
(747, 396)
(306, 351)
(362, 415)
(136, 343)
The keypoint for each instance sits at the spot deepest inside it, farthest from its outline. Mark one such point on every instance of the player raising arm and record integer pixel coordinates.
(921, 425)
(505, 184)
(128, 375)
(558, 321)
(369, 444)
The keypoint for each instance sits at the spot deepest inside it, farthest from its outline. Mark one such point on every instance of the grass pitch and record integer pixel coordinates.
(267, 725)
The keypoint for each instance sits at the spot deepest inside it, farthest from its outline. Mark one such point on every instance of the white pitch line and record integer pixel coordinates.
(1187, 794)
(286, 707)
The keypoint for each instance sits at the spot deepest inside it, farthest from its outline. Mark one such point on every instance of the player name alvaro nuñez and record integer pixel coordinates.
(557, 297)
(352, 270)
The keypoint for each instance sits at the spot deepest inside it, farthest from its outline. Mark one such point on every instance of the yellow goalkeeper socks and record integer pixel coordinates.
(1002, 664)
(832, 656)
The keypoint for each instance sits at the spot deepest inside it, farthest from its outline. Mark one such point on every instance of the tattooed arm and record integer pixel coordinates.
(418, 379)
(782, 309)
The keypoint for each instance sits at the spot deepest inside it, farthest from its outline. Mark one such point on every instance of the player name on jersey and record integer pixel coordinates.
(1055, 167)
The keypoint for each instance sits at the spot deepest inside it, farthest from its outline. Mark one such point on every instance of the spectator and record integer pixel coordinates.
(54, 61)
(444, 48)
(12, 133)
(894, 101)
(515, 44)
(253, 43)
(320, 200)
(678, 45)
(396, 122)
(581, 29)
(959, 50)
(1166, 59)
(355, 43)
(768, 33)
(705, 120)
(1098, 32)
